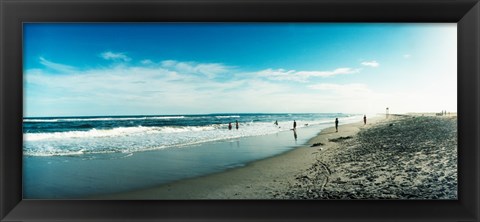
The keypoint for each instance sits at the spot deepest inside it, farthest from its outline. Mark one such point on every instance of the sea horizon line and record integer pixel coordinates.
(197, 114)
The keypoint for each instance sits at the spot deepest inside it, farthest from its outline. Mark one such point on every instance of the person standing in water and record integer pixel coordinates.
(229, 126)
(294, 125)
(364, 119)
(236, 124)
(336, 124)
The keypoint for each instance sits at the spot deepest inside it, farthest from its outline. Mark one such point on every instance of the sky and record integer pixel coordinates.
(101, 69)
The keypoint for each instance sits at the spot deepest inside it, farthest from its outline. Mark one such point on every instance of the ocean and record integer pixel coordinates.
(77, 157)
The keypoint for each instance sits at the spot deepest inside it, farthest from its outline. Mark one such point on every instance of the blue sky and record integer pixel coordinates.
(85, 69)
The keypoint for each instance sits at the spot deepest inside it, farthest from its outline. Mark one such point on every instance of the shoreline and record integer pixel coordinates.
(400, 157)
(267, 178)
(87, 176)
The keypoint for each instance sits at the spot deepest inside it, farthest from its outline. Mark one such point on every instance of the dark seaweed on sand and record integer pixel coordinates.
(339, 139)
(406, 158)
(317, 144)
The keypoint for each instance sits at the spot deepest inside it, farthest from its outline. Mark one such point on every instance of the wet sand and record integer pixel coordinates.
(401, 157)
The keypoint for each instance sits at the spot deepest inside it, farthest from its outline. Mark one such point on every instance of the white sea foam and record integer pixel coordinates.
(39, 120)
(102, 119)
(115, 132)
(166, 117)
(225, 117)
(135, 139)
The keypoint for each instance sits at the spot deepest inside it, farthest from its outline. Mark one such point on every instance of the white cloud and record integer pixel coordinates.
(280, 74)
(173, 87)
(371, 63)
(161, 88)
(153, 89)
(56, 66)
(146, 62)
(210, 70)
(302, 76)
(168, 63)
(115, 56)
(347, 89)
(338, 71)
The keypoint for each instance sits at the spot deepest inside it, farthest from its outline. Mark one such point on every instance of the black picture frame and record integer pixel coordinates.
(466, 13)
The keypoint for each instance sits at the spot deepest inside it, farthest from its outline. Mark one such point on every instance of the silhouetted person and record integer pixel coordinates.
(230, 126)
(364, 119)
(294, 125)
(236, 124)
(336, 124)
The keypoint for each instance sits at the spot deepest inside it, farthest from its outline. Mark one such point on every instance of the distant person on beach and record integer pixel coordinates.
(294, 125)
(364, 119)
(276, 123)
(229, 126)
(236, 124)
(336, 124)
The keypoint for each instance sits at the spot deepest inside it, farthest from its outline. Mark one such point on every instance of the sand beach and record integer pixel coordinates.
(144, 111)
(400, 157)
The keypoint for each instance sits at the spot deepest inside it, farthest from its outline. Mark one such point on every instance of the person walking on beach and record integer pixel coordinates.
(236, 124)
(364, 119)
(229, 126)
(294, 125)
(336, 125)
